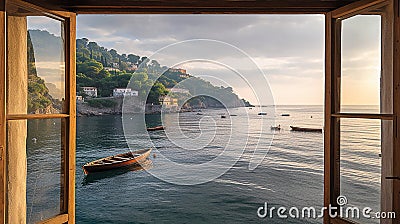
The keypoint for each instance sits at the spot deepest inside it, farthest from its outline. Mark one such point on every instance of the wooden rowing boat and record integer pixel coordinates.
(306, 129)
(157, 128)
(94, 177)
(117, 161)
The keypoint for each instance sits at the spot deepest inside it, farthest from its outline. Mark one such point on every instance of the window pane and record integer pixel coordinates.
(361, 64)
(44, 169)
(360, 165)
(35, 63)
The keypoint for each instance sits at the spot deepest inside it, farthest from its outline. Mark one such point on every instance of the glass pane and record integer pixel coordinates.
(39, 40)
(44, 169)
(361, 64)
(360, 166)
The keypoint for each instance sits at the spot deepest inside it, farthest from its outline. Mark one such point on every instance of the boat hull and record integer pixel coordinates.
(104, 164)
(158, 128)
(306, 129)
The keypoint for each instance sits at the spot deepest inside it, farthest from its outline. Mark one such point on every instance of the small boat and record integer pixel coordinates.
(199, 114)
(262, 113)
(306, 129)
(285, 115)
(94, 177)
(233, 115)
(117, 161)
(223, 116)
(276, 128)
(157, 128)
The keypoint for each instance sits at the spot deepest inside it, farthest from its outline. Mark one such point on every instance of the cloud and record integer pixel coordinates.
(289, 49)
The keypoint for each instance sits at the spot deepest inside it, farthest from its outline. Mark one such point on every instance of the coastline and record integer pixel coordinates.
(133, 106)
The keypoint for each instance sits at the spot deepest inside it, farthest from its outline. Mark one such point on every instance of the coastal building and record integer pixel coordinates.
(179, 70)
(179, 90)
(131, 66)
(168, 101)
(80, 98)
(115, 65)
(184, 76)
(120, 92)
(90, 91)
(110, 69)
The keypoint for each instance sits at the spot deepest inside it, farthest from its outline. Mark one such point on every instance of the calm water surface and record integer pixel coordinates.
(290, 175)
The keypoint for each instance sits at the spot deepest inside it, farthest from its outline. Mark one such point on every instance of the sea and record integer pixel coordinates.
(288, 172)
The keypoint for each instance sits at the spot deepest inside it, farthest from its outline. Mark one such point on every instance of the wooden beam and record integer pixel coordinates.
(357, 7)
(328, 111)
(364, 116)
(387, 127)
(70, 37)
(3, 126)
(63, 218)
(194, 6)
(35, 116)
(16, 103)
(396, 110)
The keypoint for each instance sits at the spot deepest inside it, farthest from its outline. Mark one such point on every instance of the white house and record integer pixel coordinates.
(179, 90)
(111, 69)
(90, 91)
(118, 92)
(80, 98)
(168, 101)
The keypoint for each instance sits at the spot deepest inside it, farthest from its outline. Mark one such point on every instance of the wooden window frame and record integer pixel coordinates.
(389, 95)
(68, 116)
(332, 114)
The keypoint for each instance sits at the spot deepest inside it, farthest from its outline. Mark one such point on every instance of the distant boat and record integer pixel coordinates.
(157, 128)
(276, 128)
(233, 115)
(285, 115)
(262, 113)
(223, 116)
(117, 161)
(199, 114)
(306, 129)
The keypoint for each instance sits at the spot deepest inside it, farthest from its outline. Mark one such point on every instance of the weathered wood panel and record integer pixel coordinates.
(195, 6)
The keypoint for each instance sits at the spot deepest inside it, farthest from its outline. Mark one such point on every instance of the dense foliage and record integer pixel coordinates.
(107, 69)
(101, 103)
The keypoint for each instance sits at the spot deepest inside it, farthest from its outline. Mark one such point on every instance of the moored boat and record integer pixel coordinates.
(276, 128)
(262, 113)
(117, 161)
(285, 115)
(306, 129)
(157, 128)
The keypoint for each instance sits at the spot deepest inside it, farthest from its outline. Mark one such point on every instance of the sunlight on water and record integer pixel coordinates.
(290, 175)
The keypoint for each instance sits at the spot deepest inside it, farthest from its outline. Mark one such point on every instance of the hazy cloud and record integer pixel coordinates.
(288, 48)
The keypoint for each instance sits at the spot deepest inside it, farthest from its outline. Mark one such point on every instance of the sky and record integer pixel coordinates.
(254, 54)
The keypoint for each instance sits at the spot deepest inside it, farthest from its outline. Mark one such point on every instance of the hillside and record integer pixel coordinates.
(107, 69)
(39, 98)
